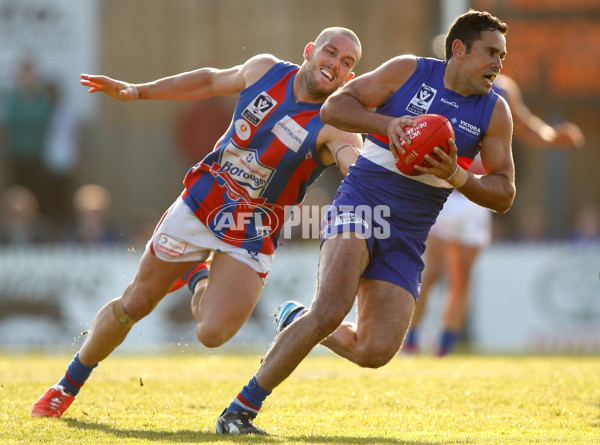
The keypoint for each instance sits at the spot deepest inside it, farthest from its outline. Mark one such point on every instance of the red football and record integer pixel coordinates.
(432, 130)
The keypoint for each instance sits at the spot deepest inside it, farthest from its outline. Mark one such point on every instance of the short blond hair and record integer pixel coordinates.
(324, 36)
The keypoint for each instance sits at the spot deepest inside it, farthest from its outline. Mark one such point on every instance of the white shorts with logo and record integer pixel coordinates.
(463, 221)
(180, 236)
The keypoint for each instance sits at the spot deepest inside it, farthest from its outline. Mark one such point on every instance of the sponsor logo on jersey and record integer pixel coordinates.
(447, 102)
(290, 133)
(421, 101)
(170, 246)
(242, 129)
(469, 128)
(259, 108)
(362, 220)
(243, 167)
(350, 218)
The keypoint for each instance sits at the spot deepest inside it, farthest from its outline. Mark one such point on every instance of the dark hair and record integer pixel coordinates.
(469, 26)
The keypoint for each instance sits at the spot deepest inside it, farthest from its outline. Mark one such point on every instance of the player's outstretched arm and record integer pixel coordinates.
(114, 88)
(192, 85)
(531, 128)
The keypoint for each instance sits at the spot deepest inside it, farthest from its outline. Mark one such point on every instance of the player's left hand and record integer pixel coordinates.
(568, 135)
(114, 88)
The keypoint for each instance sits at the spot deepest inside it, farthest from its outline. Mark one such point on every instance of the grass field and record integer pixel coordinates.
(176, 398)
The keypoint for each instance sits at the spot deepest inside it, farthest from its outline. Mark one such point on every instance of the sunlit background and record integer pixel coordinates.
(115, 167)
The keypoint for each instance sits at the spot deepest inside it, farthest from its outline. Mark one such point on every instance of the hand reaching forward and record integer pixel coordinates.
(568, 135)
(114, 88)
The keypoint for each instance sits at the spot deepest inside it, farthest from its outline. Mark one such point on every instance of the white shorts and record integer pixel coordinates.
(463, 221)
(180, 236)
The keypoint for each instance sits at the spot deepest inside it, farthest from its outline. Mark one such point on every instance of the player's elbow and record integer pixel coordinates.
(334, 107)
(507, 200)
(327, 113)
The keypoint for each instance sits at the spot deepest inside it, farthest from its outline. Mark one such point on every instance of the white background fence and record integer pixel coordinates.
(525, 299)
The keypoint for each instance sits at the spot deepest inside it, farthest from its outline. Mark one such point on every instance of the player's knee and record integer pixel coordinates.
(325, 323)
(140, 298)
(120, 315)
(374, 357)
(210, 336)
(137, 300)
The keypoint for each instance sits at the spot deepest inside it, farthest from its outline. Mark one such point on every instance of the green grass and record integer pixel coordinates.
(176, 398)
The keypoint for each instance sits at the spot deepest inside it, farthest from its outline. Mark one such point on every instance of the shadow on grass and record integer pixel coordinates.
(203, 436)
(159, 436)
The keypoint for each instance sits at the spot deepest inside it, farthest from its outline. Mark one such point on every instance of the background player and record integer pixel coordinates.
(463, 228)
(274, 148)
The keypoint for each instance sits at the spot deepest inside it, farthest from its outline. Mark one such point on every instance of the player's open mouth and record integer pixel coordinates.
(327, 73)
(489, 77)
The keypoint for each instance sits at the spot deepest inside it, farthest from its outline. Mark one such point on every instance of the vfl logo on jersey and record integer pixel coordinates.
(243, 167)
(421, 101)
(259, 108)
(290, 133)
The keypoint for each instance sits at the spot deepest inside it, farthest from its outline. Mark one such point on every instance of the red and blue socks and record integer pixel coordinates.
(195, 274)
(250, 399)
(76, 375)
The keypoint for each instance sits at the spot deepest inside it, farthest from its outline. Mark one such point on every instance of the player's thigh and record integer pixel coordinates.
(151, 283)
(231, 293)
(384, 311)
(342, 260)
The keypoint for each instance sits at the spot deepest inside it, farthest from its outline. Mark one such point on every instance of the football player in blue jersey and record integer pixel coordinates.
(463, 228)
(382, 273)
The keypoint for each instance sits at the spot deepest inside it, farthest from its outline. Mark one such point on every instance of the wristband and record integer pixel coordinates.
(458, 178)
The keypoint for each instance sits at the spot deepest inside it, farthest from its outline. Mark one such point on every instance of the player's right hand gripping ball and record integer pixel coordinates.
(432, 130)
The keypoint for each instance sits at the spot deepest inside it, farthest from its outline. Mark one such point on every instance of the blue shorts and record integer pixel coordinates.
(394, 256)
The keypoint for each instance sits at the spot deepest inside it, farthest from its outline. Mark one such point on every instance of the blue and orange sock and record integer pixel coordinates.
(250, 399)
(76, 375)
(195, 274)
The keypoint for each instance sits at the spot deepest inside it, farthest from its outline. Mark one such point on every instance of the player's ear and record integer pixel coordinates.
(349, 77)
(308, 50)
(458, 48)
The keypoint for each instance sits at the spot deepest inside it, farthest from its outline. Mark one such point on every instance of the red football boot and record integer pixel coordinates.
(52, 403)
